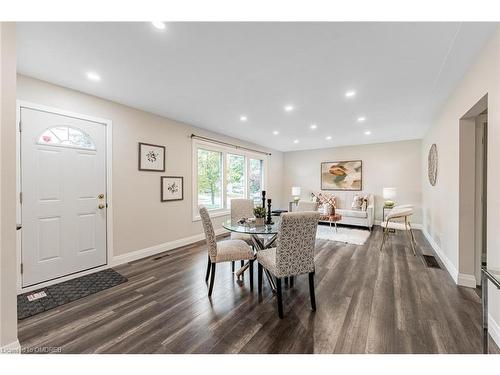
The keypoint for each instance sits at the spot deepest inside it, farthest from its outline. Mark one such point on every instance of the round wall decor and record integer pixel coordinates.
(432, 164)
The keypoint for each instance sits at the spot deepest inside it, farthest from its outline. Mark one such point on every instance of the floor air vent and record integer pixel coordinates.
(431, 261)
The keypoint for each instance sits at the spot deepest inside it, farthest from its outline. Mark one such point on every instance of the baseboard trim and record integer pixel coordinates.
(466, 280)
(153, 250)
(494, 330)
(450, 267)
(12, 348)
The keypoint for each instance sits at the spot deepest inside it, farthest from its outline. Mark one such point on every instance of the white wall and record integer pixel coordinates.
(8, 274)
(441, 202)
(392, 164)
(140, 219)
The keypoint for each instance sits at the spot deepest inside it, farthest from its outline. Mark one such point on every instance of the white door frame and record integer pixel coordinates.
(109, 191)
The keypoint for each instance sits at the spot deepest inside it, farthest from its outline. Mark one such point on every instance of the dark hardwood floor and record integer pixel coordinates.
(367, 302)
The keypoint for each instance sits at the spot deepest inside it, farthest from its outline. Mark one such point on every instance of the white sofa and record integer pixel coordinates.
(343, 204)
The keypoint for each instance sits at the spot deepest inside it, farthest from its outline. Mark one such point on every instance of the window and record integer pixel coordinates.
(255, 180)
(210, 179)
(67, 137)
(224, 173)
(236, 185)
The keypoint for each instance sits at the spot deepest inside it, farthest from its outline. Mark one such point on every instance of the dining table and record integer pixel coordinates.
(263, 237)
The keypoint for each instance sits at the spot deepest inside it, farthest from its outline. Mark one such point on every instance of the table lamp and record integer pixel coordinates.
(389, 194)
(296, 194)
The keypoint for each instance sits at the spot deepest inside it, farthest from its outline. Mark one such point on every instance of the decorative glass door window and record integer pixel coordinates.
(66, 136)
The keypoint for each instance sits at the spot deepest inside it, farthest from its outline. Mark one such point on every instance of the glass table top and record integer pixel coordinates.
(251, 228)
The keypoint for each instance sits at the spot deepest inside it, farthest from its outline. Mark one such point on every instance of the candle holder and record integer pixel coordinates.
(263, 199)
(269, 219)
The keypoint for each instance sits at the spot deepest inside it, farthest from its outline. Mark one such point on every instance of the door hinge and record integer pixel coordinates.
(20, 127)
(22, 268)
(21, 197)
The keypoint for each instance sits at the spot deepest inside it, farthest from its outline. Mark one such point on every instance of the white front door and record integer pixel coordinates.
(63, 185)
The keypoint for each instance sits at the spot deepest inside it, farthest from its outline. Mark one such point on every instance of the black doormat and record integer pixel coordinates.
(40, 300)
(431, 261)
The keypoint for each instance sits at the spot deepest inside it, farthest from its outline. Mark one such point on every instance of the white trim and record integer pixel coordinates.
(494, 329)
(466, 280)
(153, 250)
(109, 189)
(196, 143)
(12, 348)
(450, 267)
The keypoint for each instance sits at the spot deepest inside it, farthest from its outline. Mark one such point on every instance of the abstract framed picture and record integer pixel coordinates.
(342, 175)
(172, 188)
(151, 157)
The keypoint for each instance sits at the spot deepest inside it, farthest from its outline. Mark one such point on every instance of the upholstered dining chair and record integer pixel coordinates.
(294, 253)
(399, 219)
(304, 206)
(241, 208)
(223, 251)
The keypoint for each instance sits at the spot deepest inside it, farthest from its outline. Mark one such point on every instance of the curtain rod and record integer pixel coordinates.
(228, 144)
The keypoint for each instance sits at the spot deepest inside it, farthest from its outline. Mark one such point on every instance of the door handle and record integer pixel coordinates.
(101, 206)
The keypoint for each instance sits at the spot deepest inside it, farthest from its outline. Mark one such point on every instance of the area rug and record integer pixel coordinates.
(43, 299)
(343, 234)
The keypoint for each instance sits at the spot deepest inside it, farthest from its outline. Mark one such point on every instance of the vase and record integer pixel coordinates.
(259, 221)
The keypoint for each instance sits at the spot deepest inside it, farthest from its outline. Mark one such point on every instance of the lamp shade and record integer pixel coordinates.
(296, 191)
(389, 193)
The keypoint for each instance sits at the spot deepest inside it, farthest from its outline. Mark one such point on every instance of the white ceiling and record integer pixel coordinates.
(209, 74)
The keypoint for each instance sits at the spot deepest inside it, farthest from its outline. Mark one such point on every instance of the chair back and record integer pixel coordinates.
(400, 212)
(241, 208)
(208, 228)
(296, 242)
(305, 206)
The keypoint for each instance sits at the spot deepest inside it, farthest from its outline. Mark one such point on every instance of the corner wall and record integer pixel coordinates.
(441, 202)
(8, 274)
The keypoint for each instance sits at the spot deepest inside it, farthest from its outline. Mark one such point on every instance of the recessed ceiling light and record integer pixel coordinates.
(367, 132)
(350, 94)
(296, 141)
(159, 25)
(276, 132)
(93, 76)
(361, 119)
(288, 108)
(243, 118)
(313, 126)
(328, 138)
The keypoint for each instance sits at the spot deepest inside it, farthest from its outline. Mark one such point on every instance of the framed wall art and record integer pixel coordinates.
(151, 157)
(342, 175)
(172, 188)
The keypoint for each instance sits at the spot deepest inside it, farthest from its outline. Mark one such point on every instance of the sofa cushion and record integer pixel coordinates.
(352, 213)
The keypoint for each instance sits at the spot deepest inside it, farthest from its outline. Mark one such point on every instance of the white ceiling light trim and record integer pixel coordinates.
(350, 94)
(93, 76)
(159, 25)
(288, 108)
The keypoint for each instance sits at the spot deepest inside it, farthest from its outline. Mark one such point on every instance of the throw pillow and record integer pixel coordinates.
(357, 202)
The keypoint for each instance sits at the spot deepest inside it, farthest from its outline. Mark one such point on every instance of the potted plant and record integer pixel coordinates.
(260, 214)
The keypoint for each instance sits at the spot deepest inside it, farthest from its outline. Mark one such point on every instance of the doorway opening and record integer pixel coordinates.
(473, 162)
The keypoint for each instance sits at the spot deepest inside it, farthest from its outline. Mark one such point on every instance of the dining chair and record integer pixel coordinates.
(399, 219)
(304, 206)
(241, 208)
(293, 255)
(223, 251)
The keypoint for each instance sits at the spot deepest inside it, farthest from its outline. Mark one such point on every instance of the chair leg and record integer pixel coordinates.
(279, 298)
(259, 277)
(250, 268)
(311, 291)
(232, 266)
(208, 269)
(336, 229)
(212, 278)
(291, 281)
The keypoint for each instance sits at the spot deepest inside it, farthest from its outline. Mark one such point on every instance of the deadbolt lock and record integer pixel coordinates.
(100, 196)
(101, 206)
